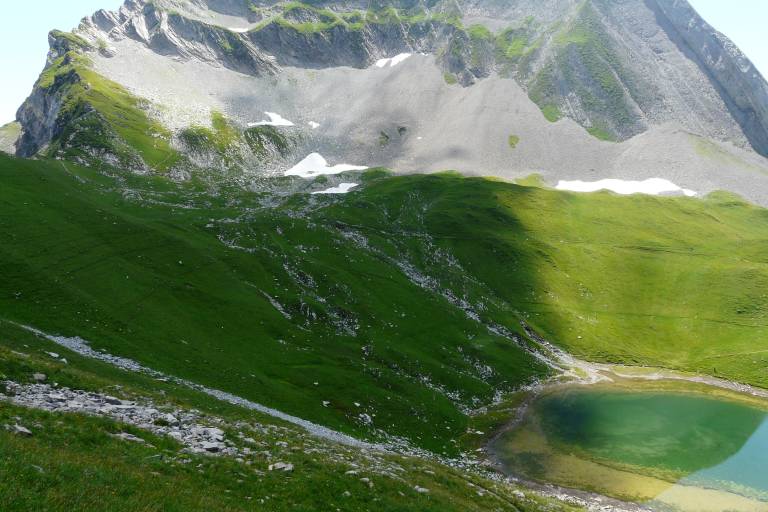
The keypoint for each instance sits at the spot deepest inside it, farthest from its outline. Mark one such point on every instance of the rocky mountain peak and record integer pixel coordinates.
(598, 80)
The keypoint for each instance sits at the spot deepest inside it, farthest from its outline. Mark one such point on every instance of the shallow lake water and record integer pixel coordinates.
(678, 451)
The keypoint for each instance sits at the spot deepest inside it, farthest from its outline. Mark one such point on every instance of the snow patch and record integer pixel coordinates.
(651, 186)
(316, 165)
(342, 188)
(274, 120)
(392, 61)
(238, 30)
(314, 125)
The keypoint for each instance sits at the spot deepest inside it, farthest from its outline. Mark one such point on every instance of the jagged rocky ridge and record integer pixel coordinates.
(617, 68)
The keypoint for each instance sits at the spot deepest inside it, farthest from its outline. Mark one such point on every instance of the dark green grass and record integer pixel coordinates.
(153, 283)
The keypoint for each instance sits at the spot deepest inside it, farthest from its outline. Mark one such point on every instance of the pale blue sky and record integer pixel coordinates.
(25, 24)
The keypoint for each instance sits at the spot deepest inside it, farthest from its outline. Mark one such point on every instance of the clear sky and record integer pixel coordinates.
(24, 26)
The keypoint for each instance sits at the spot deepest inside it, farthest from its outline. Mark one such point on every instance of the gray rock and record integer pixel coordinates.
(125, 436)
(170, 419)
(212, 447)
(281, 466)
(21, 431)
(39, 377)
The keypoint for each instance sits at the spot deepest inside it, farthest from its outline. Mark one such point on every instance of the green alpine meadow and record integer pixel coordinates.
(408, 255)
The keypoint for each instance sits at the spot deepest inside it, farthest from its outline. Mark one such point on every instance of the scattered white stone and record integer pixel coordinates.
(21, 431)
(392, 61)
(125, 436)
(315, 165)
(183, 426)
(53, 355)
(326, 403)
(281, 466)
(341, 188)
(421, 490)
(83, 348)
(274, 120)
(40, 377)
(651, 186)
(212, 447)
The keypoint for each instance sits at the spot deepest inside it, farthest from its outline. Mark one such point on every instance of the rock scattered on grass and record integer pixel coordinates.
(125, 436)
(21, 431)
(281, 466)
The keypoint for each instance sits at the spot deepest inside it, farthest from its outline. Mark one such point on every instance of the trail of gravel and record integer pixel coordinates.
(81, 346)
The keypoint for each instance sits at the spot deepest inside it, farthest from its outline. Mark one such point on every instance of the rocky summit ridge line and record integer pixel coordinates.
(590, 89)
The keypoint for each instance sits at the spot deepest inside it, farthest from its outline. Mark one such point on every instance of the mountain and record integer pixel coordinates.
(240, 270)
(568, 89)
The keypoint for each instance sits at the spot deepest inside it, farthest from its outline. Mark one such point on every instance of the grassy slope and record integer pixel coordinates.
(72, 463)
(671, 282)
(154, 283)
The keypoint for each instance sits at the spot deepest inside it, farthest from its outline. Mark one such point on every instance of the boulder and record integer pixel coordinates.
(281, 466)
(21, 431)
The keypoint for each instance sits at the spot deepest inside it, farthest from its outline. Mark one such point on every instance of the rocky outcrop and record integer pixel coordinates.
(169, 33)
(741, 85)
(9, 135)
(39, 115)
(58, 121)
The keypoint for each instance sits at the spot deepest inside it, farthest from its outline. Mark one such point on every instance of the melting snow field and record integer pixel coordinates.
(316, 165)
(342, 188)
(652, 186)
(274, 120)
(393, 61)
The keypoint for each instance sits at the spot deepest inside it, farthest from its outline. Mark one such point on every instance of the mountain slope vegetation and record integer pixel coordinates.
(71, 461)
(389, 311)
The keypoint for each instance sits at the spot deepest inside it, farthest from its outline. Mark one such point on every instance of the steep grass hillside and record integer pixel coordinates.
(74, 461)
(248, 293)
(392, 311)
